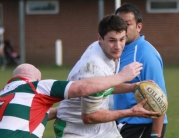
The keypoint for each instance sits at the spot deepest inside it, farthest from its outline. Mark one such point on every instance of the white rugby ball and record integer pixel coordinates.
(156, 99)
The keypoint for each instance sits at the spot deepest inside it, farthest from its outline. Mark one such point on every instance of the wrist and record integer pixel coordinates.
(155, 135)
(133, 87)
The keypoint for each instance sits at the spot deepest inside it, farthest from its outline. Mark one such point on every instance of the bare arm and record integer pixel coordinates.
(157, 125)
(102, 116)
(52, 114)
(125, 87)
(93, 85)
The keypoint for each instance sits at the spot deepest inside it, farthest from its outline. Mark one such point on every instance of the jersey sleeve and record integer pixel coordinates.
(54, 88)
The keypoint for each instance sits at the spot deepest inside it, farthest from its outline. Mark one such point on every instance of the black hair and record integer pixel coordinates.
(128, 7)
(111, 23)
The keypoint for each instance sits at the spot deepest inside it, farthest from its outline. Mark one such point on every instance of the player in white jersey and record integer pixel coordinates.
(89, 117)
(25, 101)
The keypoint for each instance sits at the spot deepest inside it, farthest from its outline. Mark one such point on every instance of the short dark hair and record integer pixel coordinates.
(111, 23)
(128, 7)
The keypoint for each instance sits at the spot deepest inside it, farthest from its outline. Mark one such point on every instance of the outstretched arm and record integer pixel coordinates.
(125, 87)
(93, 85)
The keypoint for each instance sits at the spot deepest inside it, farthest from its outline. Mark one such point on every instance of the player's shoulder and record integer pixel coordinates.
(146, 48)
(93, 50)
(95, 61)
(92, 57)
(145, 45)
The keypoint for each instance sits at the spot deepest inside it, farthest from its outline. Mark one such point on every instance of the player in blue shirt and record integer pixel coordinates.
(139, 50)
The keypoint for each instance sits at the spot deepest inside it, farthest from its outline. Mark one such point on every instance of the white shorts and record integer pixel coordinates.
(71, 130)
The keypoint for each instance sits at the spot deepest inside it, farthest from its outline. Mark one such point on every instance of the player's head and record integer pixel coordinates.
(127, 8)
(112, 35)
(28, 71)
(133, 17)
(111, 23)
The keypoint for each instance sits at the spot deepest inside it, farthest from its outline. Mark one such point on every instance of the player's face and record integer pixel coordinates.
(113, 44)
(133, 29)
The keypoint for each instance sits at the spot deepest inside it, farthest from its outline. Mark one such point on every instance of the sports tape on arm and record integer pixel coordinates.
(94, 101)
(90, 105)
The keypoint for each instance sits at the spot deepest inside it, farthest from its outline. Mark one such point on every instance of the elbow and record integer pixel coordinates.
(87, 119)
(52, 114)
(77, 90)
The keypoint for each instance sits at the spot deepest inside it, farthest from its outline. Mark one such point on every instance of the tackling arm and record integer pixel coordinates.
(93, 85)
(124, 87)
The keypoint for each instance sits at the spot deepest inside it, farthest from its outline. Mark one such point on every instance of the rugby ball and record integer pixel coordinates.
(156, 99)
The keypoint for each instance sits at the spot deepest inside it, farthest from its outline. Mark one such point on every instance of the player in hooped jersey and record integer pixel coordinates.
(26, 100)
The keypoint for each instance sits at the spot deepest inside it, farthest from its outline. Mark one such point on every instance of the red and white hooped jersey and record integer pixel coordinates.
(19, 98)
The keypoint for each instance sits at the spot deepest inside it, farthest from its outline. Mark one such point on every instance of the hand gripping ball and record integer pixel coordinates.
(156, 98)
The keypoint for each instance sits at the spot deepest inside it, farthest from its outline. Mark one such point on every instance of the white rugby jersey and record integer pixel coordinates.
(92, 63)
(24, 106)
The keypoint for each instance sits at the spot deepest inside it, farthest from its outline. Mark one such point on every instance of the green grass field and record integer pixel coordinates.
(172, 82)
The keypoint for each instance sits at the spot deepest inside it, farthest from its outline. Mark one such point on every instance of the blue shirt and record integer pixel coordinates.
(141, 51)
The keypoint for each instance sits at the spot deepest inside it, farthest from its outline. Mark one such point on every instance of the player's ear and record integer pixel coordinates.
(100, 39)
(139, 27)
